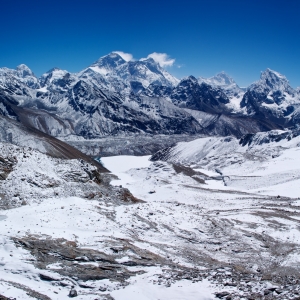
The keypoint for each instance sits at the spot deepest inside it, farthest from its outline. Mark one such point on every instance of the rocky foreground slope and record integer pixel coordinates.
(224, 225)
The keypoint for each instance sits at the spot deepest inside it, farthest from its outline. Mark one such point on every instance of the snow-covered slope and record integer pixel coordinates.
(190, 238)
(263, 162)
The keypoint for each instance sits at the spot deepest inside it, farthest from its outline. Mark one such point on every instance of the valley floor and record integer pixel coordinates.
(185, 239)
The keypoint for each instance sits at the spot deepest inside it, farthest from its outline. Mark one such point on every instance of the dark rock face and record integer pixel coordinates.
(160, 91)
(190, 94)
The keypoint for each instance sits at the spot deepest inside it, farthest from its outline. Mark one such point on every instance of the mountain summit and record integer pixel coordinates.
(274, 81)
(221, 79)
(272, 98)
(24, 71)
(108, 63)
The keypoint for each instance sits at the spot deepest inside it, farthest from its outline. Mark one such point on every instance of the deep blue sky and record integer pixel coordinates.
(240, 37)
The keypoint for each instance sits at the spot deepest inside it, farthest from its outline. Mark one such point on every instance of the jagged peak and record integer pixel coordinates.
(54, 72)
(147, 62)
(273, 80)
(273, 75)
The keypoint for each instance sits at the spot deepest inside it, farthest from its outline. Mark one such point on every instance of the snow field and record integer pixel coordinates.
(182, 221)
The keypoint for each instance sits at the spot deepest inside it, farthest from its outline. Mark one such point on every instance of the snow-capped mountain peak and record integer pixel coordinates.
(271, 81)
(272, 97)
(148, 59)
(16, 80)
(221, 79)
(24, 71)
(52, 75)
(224, 78)
(274, 80)
(108, 63)
(271, 73)
(111, 58)
(145, 71)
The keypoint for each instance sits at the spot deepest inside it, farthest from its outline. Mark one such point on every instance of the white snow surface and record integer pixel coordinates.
(180, 219)
(140, 289)
(268, 168)
(74, 219)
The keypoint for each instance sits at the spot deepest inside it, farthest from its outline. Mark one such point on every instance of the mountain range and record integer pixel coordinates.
(115, 97)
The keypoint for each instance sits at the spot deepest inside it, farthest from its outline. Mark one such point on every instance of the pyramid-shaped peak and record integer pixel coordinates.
(112, 60)
(273, 81)
(191, 78)
(113, 54)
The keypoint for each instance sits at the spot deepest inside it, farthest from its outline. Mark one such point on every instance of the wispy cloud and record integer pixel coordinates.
(163, 59)
(125, 56)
